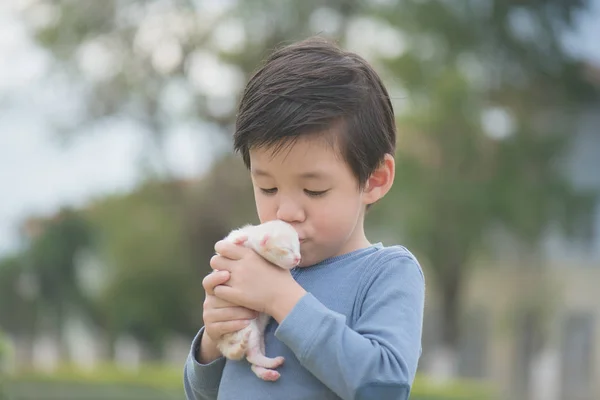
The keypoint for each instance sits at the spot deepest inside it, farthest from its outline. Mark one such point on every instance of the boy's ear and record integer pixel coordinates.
(380, 181)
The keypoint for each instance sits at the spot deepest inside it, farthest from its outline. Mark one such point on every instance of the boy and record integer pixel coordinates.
(316, 129)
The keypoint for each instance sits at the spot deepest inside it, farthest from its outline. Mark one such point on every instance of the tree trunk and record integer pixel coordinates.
(444, 364)
(64, 354)
(530, 339)
(110, 342)
(153, 351)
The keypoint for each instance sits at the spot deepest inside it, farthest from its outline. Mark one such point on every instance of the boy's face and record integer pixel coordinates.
(310, 186)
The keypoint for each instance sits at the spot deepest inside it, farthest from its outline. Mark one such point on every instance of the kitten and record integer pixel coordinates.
(277, 242)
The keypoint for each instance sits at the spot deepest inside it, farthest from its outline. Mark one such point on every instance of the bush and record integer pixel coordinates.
(4, 351)
(4, 354)
(425, 389)
(151, 376)
(150, 382)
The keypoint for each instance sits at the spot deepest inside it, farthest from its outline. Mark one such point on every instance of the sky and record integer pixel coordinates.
(38, 173)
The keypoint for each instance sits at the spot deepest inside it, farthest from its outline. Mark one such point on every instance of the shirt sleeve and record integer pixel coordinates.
(378, 357)
(201, 381)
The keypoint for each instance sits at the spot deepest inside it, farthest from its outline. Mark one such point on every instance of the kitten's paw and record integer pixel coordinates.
(265, 374)
(278, 361)
(270, 375)
(260, 360)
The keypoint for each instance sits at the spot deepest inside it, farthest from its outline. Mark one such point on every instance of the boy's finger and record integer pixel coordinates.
(230, 294)
(230, 314)
(229, 326)
(218, 262)
(230, 250)
(220, 303)
(212, 301)
(221, 263)
(213, 279)
(225, 293)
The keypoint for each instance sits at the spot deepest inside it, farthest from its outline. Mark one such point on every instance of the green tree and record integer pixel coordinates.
(163, 64)
(18, 302)
(147, 286)
(51, 261)
(147, 244)
(17, 306)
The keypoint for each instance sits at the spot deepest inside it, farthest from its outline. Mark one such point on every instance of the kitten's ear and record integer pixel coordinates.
(240, 240)
(265, 239)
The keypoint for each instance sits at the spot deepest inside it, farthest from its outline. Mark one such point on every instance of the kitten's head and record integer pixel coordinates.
(279, 244)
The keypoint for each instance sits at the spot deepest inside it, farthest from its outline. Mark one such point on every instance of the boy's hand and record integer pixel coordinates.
(254, 282)
(220, 317)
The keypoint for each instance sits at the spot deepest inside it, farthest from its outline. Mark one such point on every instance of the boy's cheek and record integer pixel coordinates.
(265, 213)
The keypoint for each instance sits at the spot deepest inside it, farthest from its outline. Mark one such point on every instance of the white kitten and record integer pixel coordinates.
(276, 241)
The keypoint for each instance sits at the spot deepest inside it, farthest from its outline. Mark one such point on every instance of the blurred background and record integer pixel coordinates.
(117, 178)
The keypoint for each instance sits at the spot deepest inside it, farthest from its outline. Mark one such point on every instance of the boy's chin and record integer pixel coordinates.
(307, 262)
(303, 263)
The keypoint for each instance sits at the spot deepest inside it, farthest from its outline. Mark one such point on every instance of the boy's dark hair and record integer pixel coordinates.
(310, 87)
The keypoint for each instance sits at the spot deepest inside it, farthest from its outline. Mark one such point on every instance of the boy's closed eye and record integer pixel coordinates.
(312, 193)
(269, 191)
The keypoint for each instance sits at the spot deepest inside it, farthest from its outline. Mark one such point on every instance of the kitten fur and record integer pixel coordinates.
(277, 242)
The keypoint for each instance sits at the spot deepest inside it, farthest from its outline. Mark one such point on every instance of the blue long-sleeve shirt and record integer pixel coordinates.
(355, 335)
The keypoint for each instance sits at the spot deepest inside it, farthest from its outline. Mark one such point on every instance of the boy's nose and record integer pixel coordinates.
(289, 211)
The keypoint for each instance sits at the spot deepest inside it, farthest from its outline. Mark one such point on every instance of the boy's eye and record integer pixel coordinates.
(269, 191)
(313, 193)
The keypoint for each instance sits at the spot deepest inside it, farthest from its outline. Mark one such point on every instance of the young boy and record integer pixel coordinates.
(316, 130)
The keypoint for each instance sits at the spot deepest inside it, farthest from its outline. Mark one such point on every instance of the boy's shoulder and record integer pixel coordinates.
(392, 252)
(394, 259)
(389, 273)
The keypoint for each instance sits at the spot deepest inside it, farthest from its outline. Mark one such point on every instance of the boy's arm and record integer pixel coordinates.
(378, 358)
(201, 381)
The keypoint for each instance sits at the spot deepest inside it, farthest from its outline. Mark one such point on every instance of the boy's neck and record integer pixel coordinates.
(357, 241)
